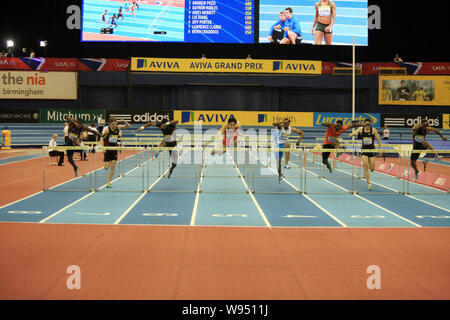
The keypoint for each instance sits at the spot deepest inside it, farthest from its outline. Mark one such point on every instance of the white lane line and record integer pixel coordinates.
(93, 213)
(143, 194)
(33, 158)
(367, 200)
(35, 194)
(24, 212)
(261, 212)
(86, 196)
(306, 196)
(197, 196)
(407, 195)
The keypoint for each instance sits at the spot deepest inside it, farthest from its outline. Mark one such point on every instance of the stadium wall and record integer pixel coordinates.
(162, 91)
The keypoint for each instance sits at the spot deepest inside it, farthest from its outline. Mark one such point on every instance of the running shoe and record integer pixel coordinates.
(170, 173)
(108, 185)
(156, 155)
(287, 166)
(329, 167)
(370, 186)
(416, 176)
(76, 171)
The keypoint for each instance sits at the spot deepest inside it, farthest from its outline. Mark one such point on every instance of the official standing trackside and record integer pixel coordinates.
(54, 153)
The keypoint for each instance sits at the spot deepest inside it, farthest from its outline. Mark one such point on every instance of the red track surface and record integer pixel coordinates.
(158, 262)
(130, 262)
(431, 167)
(13, 153)
(22, 179)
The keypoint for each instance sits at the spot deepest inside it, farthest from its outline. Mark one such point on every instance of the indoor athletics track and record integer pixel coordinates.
(174, 242)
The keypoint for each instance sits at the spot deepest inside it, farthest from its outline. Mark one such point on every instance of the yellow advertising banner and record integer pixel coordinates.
(227, 65)
(446, 121)
(414, 90)
(246, 118)
(38, 85)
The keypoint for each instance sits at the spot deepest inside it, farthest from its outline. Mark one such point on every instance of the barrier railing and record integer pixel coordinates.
(146, 168)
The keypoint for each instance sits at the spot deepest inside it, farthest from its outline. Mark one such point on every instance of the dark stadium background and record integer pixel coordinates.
(415, 32)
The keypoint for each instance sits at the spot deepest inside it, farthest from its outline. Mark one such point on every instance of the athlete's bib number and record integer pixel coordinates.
(169, 138)
(332, 139)
(113, 138)
(283, 138)
(419, 139)
(324, 11)
(367, 141)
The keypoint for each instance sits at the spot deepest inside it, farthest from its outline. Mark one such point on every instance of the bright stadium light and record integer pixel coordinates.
(43, 43)
(9, 44)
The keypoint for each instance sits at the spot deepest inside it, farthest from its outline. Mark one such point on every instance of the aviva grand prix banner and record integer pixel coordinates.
(246, 118)
(226, 65)
(38, 85)
(414, 90)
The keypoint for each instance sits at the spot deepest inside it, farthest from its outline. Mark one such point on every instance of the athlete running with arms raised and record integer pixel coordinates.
(331, 138)
(230, 133)
(73, 138)
(419, 143)
(284, 130)
(110, 138)
(168, 129)
(368, 135)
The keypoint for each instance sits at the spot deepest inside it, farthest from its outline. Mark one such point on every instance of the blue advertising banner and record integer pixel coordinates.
(320, 117)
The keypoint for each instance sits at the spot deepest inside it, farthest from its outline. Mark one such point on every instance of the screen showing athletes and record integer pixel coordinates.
(192, 21)
(408, 90)
(313, 22)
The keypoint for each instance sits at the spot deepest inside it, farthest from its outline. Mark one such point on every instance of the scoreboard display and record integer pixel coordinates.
(199, 21)
(219, 21)
(226, 21)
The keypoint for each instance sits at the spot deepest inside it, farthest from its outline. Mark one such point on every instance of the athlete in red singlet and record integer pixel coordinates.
(331, 138)
(230, 132)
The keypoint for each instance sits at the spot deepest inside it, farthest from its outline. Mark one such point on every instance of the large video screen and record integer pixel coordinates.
(192, 21)
(313, 22)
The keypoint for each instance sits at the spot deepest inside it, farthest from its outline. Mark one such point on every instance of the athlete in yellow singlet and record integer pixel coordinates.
(324, 19)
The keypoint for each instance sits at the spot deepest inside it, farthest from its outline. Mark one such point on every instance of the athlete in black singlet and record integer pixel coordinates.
(110, 138)
(419, 143)
(368, 134)
(168, 129)
(120, 14)
(73, 139)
